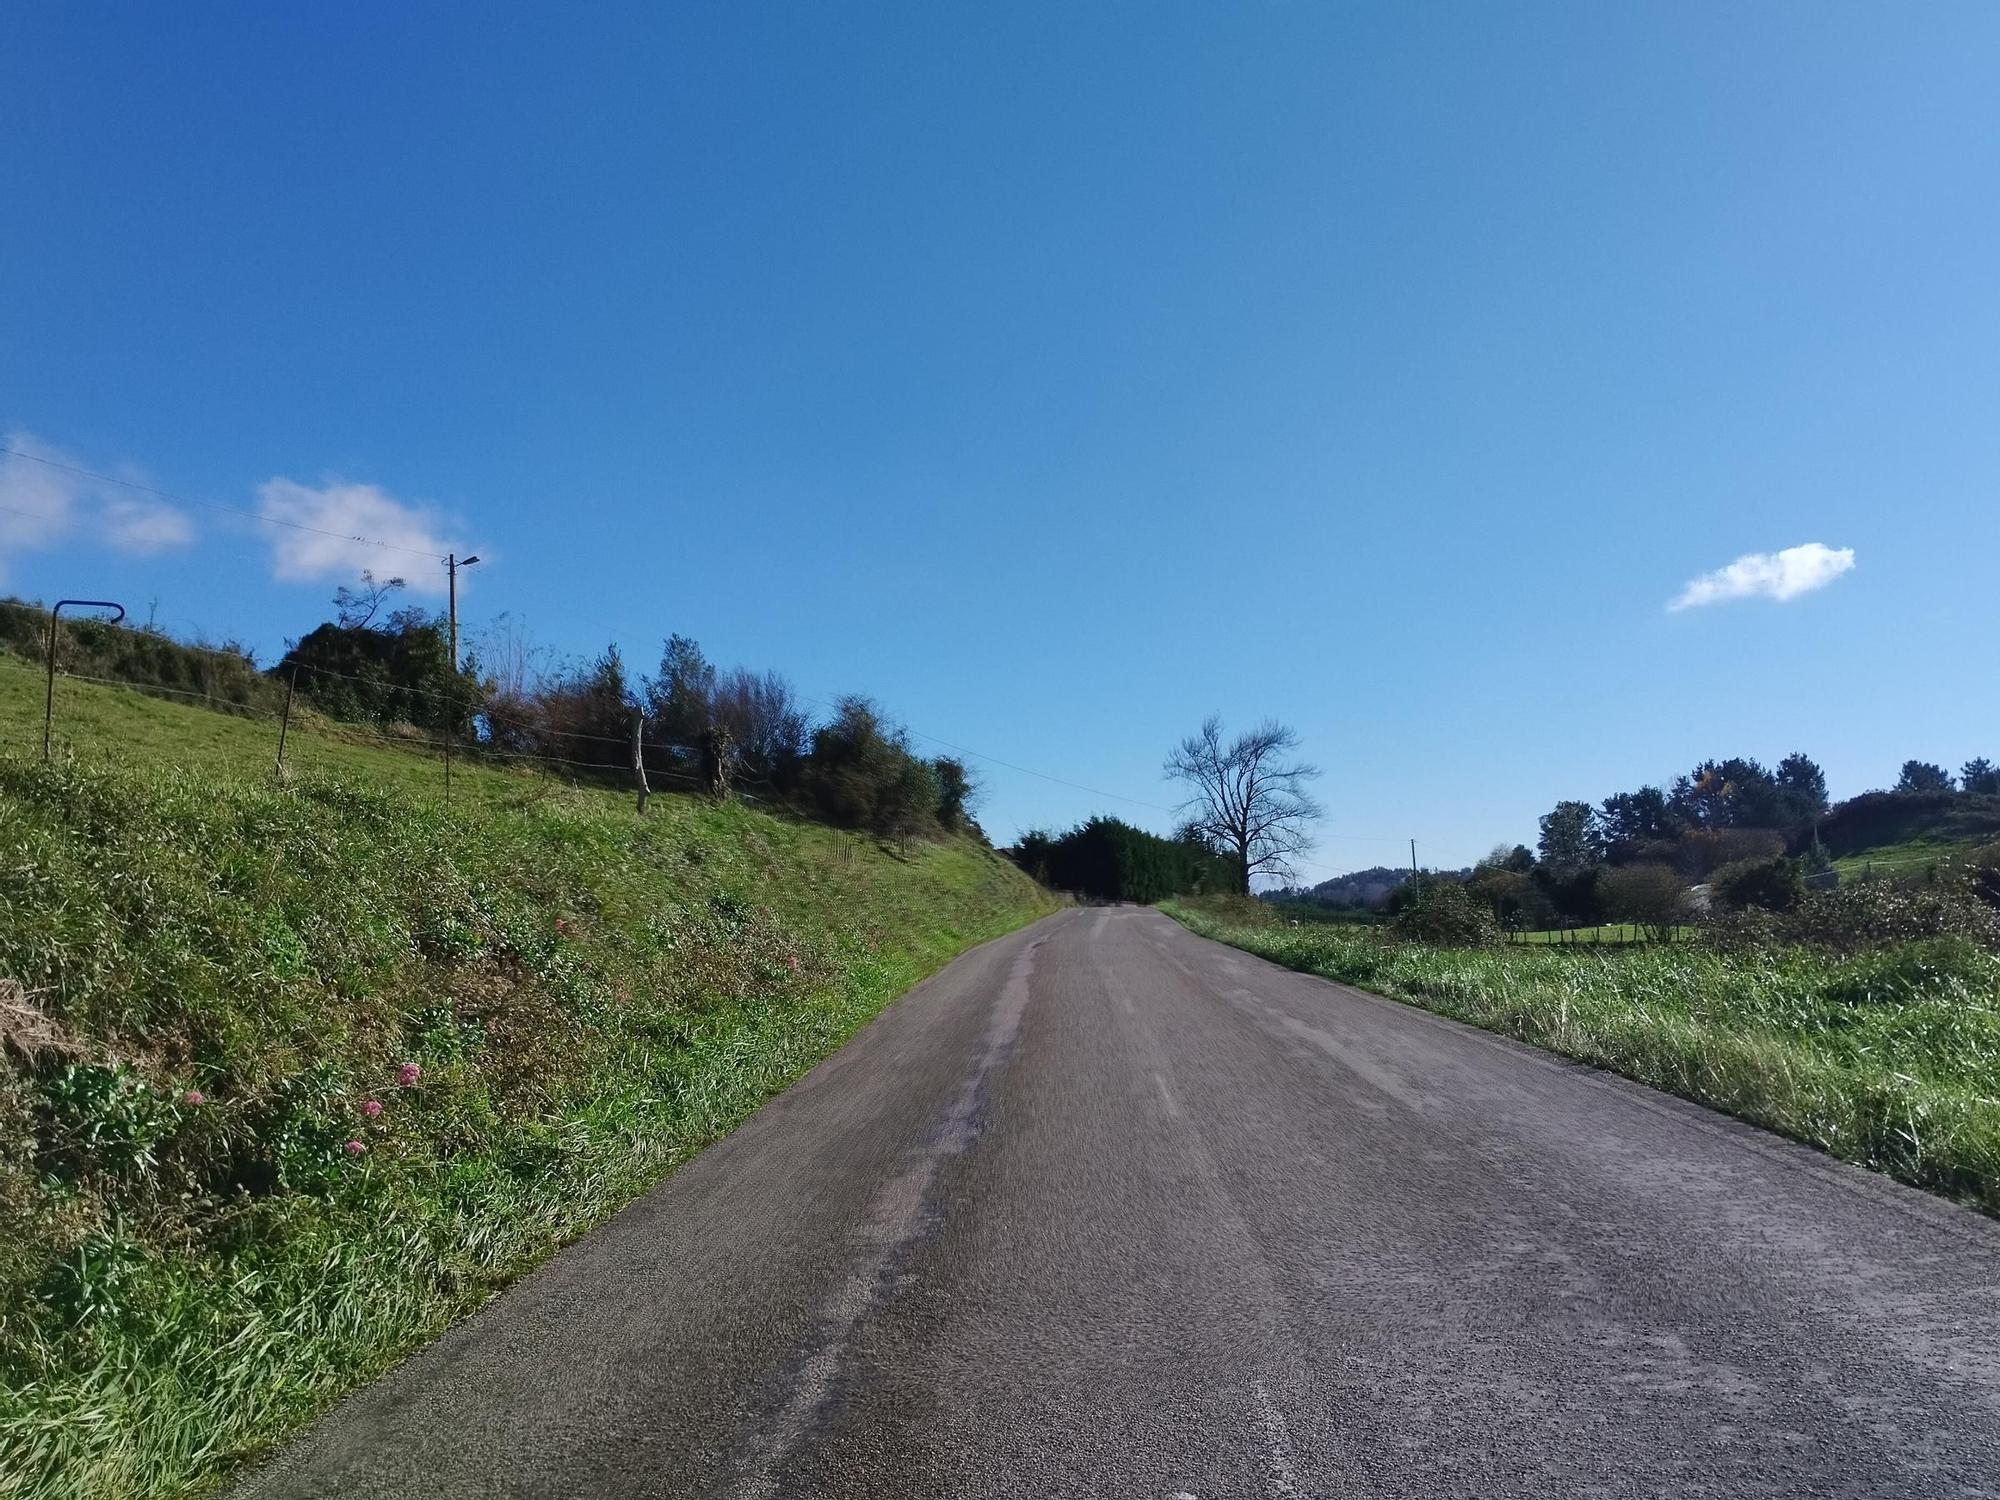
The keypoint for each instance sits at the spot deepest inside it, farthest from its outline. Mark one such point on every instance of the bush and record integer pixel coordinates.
(1984, 873)
(580, 718)
(1577, 896)
(1871, 913)
(398, 673)
(861, 774)
(957, 792)
(1769, 884)
(1444, 913)
(1649, 896)
(1513, 897)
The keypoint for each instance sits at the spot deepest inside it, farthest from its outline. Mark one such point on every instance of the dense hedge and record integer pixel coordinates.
(225, 677)
(1112, 861)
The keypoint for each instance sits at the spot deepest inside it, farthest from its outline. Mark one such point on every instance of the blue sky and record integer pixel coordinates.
(1061, 374)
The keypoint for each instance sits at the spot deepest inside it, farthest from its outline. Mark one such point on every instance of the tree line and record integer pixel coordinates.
(1746, 834)
(1105, 859)
(384, 666)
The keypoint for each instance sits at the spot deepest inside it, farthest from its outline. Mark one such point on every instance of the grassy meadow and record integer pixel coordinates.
(1888, 1057)
(291, 1077)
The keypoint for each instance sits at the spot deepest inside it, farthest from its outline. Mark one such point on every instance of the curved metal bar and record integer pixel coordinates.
(49, 704)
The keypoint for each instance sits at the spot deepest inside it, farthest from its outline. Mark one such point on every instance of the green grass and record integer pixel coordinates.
(1908, 860)
(1890, 1058)
(1609, 934)
(589, 998)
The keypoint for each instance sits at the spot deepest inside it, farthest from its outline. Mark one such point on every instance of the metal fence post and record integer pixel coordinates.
(49, 703)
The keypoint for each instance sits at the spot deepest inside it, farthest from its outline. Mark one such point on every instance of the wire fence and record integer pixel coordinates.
(303, 737)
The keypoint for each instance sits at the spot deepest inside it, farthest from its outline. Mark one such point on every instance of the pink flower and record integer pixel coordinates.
(372, 1108)
(194, 1097)
(792, 962)
(408, 1074)
(354, 1148)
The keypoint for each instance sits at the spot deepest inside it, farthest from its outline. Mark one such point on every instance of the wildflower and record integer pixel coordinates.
(372, 1108)
(407, 1075)
(354, 1148)
(194, 1097)
(792, 962)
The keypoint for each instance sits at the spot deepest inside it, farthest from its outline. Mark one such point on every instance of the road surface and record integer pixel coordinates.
(1105, 1209)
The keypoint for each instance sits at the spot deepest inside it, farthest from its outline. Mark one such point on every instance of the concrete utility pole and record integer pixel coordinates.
(452, 563)
(1413, 856)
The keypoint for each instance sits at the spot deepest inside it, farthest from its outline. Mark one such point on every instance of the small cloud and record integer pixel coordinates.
(38, 500)
(45, 500)
(343, 520)
(1768, 575)
(142, 527)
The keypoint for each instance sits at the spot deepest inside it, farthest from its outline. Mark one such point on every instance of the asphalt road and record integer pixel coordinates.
(1104, 1209)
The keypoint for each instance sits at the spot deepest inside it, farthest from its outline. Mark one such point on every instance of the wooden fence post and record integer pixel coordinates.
(639, 758)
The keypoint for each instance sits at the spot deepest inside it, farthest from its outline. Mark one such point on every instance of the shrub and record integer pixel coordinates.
(1513, 897)
(396, 673)
(861, 774)
(1650, 896)
(1578, 896)
(1771, 884)
(1871, 913)
(1444, 913)
(956, 792)
(1984, 873)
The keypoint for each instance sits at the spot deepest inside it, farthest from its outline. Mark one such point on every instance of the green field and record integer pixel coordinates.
(294, 1076)
(1888, 1057)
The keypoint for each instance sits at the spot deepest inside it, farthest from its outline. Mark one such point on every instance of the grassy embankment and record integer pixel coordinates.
(1888, 1058)
(293, 1078)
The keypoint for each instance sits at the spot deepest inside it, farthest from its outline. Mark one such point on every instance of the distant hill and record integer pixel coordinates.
(1362, 889)
(1880, 820)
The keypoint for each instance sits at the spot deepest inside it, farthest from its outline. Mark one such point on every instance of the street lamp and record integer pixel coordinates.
(452, 563)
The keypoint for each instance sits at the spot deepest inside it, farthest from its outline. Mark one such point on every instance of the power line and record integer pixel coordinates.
(232, 510)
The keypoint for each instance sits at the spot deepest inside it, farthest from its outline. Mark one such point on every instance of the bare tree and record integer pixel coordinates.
(354, 608)
(1246, 796)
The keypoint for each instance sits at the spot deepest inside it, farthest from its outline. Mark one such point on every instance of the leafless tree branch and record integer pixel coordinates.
(1246, 796)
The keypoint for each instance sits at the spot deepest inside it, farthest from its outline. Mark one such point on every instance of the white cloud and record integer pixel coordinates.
(1768, 575)
(142, 526)
(351, 512)
(42, 506)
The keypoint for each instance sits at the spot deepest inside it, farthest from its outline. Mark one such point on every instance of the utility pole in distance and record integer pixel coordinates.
(1413, 856)
(452, 563)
